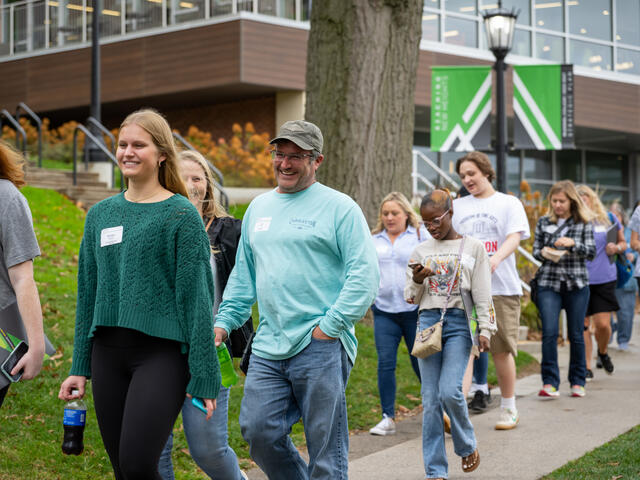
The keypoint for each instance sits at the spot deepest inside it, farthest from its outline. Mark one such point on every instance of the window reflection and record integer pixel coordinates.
(522, 43)
(607, 169)
(550, 47)
(430, 26)
(596, 57)
(549, 14)
(592, 19)
(537, 164)
(432, 3)
(628, 61)
(569, 165)
(461, 6)
(627, 21)
(460, 32)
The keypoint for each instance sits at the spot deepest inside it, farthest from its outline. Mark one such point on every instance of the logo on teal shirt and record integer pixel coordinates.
(302, 223)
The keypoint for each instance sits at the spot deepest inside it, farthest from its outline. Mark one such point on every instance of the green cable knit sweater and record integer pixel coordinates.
(157, 280)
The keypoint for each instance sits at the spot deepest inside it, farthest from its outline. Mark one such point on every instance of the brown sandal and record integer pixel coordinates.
(471, 462)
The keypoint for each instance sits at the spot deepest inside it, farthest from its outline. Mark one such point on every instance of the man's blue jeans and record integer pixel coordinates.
(389, 328)
(442, 375)
(627, 302)
(208, 442)
(575, 303)
(481, 368)
(277, 393)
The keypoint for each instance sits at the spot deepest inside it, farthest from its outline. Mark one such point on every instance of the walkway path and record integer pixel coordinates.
(550, 433)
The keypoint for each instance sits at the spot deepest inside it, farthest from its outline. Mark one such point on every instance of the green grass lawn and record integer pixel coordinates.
(31, 417)
(617, 459)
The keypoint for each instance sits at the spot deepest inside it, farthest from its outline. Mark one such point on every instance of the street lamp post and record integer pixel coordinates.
(500, 25)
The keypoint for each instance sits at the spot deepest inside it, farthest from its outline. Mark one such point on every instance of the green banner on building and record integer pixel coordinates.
(460, 108)
(543, 106)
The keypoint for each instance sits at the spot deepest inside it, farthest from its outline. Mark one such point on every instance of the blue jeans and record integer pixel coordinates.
(575, 303)
(627, 302)
(442, 375)
(277, 393)
(389, 328)
(208, 442)
(481, 368)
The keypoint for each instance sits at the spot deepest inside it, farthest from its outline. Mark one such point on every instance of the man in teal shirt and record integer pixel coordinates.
(306, 255)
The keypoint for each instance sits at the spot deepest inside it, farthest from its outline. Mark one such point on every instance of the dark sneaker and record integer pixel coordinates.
(589, 376)
(479, 402)
(598, 362)
(607, 364)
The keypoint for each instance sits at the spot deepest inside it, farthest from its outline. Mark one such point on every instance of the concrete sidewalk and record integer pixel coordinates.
(550, 433)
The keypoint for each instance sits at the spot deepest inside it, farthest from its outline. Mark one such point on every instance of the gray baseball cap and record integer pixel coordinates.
(306, 135)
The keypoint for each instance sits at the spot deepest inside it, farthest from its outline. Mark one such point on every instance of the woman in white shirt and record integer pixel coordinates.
(395, 235)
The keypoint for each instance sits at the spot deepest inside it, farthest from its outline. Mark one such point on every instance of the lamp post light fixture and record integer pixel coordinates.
(500, 26)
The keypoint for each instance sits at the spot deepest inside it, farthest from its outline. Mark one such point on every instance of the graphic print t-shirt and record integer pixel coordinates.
(491, 220)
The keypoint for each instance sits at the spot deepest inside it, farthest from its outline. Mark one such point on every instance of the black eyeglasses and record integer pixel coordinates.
(293, 157)
(436, 221)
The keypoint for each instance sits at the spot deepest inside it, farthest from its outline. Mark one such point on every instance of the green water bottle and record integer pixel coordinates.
(229, 375)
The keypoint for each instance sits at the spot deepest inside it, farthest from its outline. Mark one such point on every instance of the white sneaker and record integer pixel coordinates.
(508, 419)
(386, 427)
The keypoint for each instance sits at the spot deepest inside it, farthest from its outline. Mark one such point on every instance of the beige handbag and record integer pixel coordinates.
(429, 340)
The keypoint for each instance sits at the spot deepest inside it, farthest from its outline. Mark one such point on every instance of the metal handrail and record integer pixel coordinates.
(5, 113)
(423, 179)
(442, 173)
(35, 118)
(93, 121)
(99, 144)
(223, 194)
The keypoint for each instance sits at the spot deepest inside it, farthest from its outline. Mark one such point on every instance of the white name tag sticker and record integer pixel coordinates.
(262, 224)
(599, 229)
(110, 236)
(550, 229)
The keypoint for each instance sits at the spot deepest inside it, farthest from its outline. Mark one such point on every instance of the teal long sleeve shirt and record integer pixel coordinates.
(309, 260)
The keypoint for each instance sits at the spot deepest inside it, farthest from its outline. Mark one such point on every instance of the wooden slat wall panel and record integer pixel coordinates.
(274, 55)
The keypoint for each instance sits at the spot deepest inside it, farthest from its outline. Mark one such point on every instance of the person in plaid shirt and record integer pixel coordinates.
(563, 242)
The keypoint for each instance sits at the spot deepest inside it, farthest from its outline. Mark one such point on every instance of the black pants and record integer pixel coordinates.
(139, 386)
(3, 393)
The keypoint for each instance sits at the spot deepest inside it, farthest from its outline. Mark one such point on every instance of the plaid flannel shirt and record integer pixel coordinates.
(571, 268)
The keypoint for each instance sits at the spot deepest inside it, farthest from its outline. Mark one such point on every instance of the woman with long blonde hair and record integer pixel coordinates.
(208, 439)
(397, 232)
(144, 328)
(602, 280)
(563, 243)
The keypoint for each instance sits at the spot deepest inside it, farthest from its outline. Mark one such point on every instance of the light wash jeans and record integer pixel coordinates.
(575, 303)
(277, 393)
(208, 442)
(627, 302)
(389, 328)
(442, 375)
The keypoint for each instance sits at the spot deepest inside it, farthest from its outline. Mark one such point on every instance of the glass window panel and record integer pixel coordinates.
(460, 32)
(550, 47)
(592, 19)
(608, 196)
(143, 15)
(110, 18)
(430, 26)
(628, 61)
(432, 3)
(627, 21)
(521, 43)
(543, 188)
(448, 164)
(549, 14)
(537, 164)
(607, 169)
(186, 11)
(597, 57)
(524, 17)
(513, 174)
(569, 165)
(461, 6)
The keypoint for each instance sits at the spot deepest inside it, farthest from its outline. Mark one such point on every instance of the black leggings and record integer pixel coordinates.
(139, 386)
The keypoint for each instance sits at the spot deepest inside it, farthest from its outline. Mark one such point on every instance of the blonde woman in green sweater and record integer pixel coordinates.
(144, 324)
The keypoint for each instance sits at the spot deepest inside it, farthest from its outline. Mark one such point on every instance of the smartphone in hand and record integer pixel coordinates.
(199, 404)
(12, 360)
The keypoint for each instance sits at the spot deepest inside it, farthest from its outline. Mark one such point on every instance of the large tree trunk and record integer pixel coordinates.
(361, 75)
